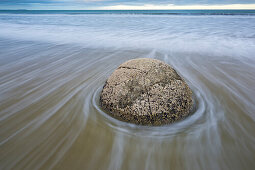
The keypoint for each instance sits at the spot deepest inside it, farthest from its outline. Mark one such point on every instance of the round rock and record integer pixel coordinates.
(146, 92)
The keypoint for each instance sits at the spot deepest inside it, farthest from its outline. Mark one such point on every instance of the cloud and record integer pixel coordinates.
(172, 6)
(127, 4)
(92, 0)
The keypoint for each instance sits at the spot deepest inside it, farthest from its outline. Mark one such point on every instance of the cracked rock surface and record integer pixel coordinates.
(146, 92)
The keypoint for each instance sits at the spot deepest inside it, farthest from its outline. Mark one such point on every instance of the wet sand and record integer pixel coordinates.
(50, 117)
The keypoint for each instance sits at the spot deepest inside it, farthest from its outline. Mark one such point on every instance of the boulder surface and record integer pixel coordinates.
(146, 92)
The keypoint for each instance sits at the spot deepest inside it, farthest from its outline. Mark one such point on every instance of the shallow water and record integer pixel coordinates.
(53, 67)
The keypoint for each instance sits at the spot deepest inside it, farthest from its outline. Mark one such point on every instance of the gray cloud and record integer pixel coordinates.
(100, 3)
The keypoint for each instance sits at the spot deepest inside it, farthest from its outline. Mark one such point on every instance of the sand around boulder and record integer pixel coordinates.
(146, 92)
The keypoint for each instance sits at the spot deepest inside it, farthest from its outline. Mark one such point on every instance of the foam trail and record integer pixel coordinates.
(53, 67)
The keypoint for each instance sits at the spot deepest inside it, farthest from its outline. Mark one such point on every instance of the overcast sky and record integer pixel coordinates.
(127, 4)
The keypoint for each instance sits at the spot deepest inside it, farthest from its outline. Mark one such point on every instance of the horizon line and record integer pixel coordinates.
(144, 7)
(110, 9)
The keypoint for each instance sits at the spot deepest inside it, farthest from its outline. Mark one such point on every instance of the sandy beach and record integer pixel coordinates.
(51, 76)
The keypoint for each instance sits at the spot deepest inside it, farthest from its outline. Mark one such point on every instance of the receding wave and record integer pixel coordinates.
(52, 69)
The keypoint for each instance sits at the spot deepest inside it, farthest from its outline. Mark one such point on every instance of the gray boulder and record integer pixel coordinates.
(146, 92)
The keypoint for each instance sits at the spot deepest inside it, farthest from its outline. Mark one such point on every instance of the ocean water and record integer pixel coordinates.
(142, 12)
(53, 65)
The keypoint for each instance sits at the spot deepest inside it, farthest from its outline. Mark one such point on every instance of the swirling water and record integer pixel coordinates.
(52, 68)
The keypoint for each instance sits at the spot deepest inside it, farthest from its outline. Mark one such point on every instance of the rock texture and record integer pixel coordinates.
(147, 92)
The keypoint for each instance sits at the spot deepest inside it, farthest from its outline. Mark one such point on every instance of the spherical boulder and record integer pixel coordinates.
(146, 92)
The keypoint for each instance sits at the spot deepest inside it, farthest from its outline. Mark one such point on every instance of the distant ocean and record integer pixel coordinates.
(145, 12)
(53, 65)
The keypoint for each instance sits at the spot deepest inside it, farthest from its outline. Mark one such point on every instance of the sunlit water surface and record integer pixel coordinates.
(53, 67)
